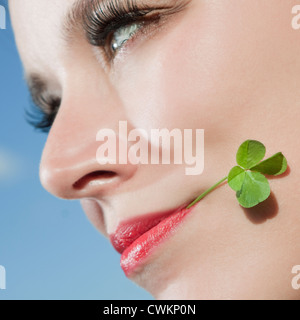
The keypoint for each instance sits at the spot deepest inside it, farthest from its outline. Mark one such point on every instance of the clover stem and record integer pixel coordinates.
(206, 192)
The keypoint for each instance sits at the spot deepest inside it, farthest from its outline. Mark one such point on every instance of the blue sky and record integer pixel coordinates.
(47, 246)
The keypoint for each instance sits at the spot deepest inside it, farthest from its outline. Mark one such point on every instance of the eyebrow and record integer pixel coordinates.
(75, 20)
(36, 85)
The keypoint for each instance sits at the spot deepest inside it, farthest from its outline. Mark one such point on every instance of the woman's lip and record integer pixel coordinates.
(127, 232)
(137, 239)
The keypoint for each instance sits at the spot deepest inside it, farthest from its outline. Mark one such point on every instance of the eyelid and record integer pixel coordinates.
(99, 27)
(102, 18)
(144, 28)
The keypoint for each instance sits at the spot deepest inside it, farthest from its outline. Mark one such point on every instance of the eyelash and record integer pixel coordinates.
(99, 29)
(40, 119)
(115, 15)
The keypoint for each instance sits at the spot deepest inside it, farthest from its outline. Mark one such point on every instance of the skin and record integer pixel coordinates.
(230, 67)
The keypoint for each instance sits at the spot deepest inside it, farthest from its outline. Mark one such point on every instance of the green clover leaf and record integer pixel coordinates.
(251, 188)
(250, 153)
(236, 178)
(274, 166)
(248, 178)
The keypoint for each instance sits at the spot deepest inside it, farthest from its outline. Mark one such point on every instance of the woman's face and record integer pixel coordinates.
(229, 67)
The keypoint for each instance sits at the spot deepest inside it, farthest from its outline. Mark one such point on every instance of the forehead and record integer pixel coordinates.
(38, 29)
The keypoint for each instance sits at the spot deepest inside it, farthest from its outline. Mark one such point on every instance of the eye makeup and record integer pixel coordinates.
(43, 105)
(110, 24)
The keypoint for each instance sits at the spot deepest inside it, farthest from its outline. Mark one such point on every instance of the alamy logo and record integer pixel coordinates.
(159, 146)
(2, 278)
(296, 17)
(296, 279)
(2, 18)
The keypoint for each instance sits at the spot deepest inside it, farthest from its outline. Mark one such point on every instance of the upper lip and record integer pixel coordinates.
(129, 231)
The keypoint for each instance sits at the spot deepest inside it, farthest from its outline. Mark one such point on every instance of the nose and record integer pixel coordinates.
(69, 167)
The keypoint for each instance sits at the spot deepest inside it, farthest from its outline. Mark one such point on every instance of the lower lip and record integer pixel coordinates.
(136, 254)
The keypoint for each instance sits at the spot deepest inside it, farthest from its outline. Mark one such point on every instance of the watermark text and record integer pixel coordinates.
(159, 146)
(2, 278)
(2, 18)
(296, 279)
(296, 18)
(152, 309)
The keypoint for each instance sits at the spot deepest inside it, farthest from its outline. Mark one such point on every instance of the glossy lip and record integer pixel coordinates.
(138, 238)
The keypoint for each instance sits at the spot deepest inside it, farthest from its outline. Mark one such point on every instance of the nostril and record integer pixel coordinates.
(94, 178)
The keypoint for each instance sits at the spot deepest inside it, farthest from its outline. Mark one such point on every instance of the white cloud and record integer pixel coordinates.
(9, 165)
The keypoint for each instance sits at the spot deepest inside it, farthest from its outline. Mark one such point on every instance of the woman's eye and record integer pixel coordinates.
(122, 35)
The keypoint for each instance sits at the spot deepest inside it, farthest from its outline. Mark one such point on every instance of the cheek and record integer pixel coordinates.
(202, 69)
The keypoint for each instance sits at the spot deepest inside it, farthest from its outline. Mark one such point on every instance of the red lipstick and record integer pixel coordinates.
(136, 239)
